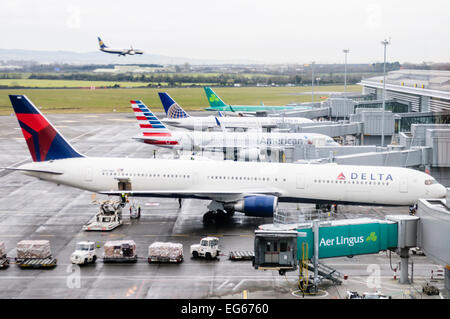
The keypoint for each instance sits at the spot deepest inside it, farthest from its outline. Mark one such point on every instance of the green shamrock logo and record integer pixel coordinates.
(213, 98)
(372, 237)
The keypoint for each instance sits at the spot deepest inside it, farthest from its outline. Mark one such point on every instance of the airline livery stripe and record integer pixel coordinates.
(141, 118)
(161, 142)
(145, 126)
(156, 134)
(137, 109)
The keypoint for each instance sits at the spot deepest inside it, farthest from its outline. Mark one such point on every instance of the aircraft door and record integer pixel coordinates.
(88, 174)
(300, 182)
(403, 186)
(285, 254)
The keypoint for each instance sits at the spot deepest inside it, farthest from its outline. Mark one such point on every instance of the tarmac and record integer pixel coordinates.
(34, 209)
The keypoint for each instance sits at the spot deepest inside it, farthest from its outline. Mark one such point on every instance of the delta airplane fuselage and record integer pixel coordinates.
(228, 181)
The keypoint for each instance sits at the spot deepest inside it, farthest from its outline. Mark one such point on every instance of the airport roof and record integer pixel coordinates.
(422, 82)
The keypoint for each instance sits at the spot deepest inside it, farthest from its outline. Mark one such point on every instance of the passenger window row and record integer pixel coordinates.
(324, 181)
(147, 175)
(245, 178)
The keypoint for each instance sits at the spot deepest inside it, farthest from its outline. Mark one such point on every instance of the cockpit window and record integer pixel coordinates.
(430, 181)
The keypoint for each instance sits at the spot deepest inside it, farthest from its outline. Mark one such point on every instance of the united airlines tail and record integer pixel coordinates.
(172, 108)
(101, 44)
(213, 98)
(43, 139)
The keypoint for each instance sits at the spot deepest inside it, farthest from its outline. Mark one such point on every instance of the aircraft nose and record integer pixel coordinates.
(441, 191)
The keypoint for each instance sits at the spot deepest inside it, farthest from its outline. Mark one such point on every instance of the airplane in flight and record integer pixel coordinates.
(253, 188)
(177, 117)
(105, 48)
(248, 145)
(217, 104)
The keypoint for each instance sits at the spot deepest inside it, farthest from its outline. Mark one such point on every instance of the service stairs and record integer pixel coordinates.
(328, 273)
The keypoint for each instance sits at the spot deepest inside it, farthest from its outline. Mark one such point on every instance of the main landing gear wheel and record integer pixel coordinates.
(217, 217)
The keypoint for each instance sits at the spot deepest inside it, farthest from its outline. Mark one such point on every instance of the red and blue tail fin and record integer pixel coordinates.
(172, 108)
(148, 122)
(43, 139)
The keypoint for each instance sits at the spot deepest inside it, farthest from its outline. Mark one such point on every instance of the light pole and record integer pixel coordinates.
(385, 43)
(312, 82)
(346, 51)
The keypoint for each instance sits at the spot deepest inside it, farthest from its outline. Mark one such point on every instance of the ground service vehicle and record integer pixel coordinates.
(208, 248)
(84, 253)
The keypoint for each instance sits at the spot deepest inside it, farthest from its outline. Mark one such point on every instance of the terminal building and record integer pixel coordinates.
(423, 90)
(413, 131)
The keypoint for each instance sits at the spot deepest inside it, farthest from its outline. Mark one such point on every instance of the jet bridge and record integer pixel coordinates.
(281, 247)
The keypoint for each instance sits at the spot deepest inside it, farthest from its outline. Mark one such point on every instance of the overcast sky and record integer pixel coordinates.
(273, 31)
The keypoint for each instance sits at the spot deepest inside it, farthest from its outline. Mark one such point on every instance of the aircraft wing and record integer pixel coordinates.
(222, 196)
(32, 170)
(246, 126)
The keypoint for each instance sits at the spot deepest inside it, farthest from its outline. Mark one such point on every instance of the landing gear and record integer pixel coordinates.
(217, 217)
(324, 207)
(412, 210)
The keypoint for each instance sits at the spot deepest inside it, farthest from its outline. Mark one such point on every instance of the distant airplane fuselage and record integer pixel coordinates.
(216, 104)
(105, 48)
(178, 117)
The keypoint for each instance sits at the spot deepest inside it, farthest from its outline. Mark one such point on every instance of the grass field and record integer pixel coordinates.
(110, 100)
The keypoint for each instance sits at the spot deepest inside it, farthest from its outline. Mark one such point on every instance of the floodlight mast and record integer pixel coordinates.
(346, 51)
(312, 81)
(385, 43)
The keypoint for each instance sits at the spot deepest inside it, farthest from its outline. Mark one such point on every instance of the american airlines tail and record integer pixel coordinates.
(101, 43)
(213, 99)
(43, 139)
(153, 130)
(172, 108)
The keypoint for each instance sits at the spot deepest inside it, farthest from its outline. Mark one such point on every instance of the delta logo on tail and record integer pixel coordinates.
(43, 140)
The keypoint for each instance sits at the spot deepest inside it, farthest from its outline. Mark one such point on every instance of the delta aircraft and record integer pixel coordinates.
(253, 188)
(216, 104)
(177, 117)
(249, 145)
(105, 48)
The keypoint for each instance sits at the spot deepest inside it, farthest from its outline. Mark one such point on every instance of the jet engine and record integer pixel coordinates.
(257, 205)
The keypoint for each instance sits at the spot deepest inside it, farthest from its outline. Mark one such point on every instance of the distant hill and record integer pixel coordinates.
(98, 57)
